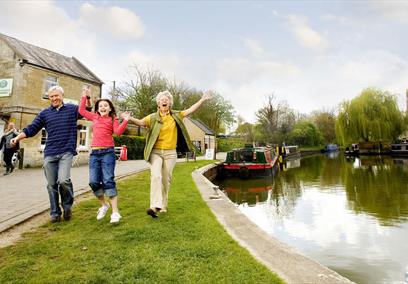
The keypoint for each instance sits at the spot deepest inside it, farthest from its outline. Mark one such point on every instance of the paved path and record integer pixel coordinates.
(24, 192)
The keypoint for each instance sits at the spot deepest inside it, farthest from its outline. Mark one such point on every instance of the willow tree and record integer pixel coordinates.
(372, 116)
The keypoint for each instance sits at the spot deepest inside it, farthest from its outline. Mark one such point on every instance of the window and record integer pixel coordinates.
(49, 82)
(83, 137)
(197, 144)
(43, 138)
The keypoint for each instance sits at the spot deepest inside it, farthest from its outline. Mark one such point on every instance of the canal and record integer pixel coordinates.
(349, 214)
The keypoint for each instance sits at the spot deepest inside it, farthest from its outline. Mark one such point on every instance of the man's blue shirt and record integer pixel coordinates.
(61, 127)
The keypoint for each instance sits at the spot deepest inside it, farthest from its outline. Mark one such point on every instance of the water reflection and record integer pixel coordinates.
(349, 214)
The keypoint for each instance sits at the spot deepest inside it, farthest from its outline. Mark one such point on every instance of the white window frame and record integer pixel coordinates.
(48, 83)
(83, 129)
(43, 139)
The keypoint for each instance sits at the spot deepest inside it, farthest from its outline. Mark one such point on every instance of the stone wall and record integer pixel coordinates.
(26, 100)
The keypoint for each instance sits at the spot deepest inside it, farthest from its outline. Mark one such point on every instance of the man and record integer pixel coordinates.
(60, 122)
(8, 150)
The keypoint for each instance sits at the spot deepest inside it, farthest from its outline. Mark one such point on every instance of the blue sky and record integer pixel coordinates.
(313, 54)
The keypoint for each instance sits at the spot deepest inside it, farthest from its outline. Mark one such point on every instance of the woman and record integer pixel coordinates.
(167, 135)
(8, 149)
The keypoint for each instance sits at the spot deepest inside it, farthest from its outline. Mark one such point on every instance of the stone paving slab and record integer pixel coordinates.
(24, 193)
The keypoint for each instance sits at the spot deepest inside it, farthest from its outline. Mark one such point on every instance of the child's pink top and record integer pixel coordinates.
(103, 127)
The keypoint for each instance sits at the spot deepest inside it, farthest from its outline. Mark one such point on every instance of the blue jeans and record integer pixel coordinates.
(102, 172)
(57, 171)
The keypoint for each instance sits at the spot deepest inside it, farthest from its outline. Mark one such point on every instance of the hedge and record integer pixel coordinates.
(135, 145)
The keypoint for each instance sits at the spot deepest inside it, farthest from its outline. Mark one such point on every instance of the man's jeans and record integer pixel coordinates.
(57, 171)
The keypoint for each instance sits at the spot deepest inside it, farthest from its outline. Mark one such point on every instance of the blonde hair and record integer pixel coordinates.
(55, 88)
(165, 94)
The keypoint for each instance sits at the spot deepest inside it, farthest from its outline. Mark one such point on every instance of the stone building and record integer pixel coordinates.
(26, 73)
(200, 134)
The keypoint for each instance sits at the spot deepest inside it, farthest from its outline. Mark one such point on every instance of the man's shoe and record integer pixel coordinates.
(115, 217)
(102, 211)
(163, 210)
(67, 214)
(151, 212)
(55, 219)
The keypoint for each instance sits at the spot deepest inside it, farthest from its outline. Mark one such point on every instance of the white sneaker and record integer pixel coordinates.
(115, 217)
(102, 211)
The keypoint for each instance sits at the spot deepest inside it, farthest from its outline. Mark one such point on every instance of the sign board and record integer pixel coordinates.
(209, 154)
(6, 87)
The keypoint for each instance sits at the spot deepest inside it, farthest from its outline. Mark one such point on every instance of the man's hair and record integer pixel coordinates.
(55, 88)
(165, 94)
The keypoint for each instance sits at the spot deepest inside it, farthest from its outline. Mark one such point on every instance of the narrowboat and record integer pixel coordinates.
(329, 148)
(288, 152)
(399, 149)
(353, 150)
(248, 162)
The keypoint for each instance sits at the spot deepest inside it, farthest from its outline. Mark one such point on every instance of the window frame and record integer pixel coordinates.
(48, 83)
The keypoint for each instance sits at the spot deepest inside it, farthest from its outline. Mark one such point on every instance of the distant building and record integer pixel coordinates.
(26, 73)
(200, 134)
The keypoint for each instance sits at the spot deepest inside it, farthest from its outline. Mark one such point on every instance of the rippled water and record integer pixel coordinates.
(350, 214)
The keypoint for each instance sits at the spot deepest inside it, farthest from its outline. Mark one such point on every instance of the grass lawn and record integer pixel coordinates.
(184, 245)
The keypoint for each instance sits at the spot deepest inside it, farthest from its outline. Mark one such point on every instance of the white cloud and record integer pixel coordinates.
(305, 35)
(254, 46)
(394, 10)
(119, 22)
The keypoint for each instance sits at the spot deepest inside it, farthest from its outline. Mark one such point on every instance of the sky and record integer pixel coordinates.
(311, 54)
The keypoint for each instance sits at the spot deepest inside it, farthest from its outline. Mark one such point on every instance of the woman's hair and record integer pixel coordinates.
(165, 94)
(112, 112)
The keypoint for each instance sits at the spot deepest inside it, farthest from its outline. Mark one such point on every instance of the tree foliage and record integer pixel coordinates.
(275, 120)
(305, 133)
(372, 116)
(325, 121)
(138, 96)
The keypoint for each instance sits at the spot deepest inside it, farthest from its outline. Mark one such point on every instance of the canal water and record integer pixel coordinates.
(349, 214)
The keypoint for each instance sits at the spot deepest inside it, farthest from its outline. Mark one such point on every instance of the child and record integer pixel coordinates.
(102, 159)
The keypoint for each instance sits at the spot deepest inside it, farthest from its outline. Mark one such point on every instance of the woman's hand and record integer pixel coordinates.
(125, 115)
(206, 96)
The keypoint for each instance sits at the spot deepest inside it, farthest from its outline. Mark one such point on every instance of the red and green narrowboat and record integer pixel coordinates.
(249, 162)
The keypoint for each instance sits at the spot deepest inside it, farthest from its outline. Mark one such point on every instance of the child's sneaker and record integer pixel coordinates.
(102, 211)
(115, 217)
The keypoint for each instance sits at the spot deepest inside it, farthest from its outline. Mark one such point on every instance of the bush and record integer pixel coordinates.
(135, 145)
(227, 144)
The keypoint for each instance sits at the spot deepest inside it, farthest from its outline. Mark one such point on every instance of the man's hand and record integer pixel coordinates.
(86, 92)
(13, 142)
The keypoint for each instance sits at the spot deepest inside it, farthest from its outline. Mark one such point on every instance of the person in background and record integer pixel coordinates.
(60, 122)
(8, 149)
(166, 136)
(102, 160)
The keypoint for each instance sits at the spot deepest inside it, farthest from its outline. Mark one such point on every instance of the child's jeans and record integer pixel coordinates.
(102, 172)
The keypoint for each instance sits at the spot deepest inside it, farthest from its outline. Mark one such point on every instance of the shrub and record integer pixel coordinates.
(135, 145)
(227, 144)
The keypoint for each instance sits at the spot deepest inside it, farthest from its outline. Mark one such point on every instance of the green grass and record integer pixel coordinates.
(185, 245)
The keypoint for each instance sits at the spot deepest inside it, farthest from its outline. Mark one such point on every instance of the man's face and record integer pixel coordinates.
(164, 103)
(55, 98)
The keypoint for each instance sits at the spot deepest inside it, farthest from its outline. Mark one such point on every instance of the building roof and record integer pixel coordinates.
(37, 56)
(202, 126)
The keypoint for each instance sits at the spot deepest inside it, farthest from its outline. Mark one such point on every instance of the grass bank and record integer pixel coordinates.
(184, 245)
